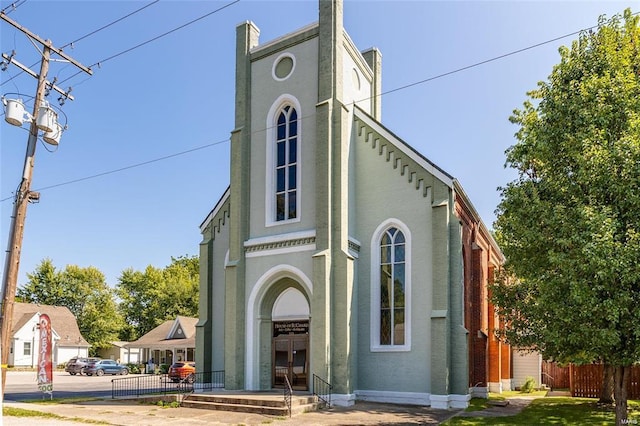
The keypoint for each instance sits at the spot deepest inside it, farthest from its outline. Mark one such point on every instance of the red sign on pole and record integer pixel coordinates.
(45, 365)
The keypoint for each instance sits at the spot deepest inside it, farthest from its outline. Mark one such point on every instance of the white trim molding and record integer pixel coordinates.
(343, 399)
(445, 402)
(410, 398)
(282, 243)
(375, 345)
(252, 332)
(270, 146)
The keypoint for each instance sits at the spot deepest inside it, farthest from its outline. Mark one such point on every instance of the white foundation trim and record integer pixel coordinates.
(444, 402)
(459, 401)
(479, 392)
(495, 387)
(506, 384)
(413, 398)
(343, 399)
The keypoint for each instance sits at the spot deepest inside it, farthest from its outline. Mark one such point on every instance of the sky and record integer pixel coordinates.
(146, 153)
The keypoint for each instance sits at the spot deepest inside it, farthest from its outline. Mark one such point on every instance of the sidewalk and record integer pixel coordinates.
(131, 412)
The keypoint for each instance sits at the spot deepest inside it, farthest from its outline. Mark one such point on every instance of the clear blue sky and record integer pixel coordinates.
(177, 94)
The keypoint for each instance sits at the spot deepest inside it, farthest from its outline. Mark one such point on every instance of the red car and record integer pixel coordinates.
(183, 370)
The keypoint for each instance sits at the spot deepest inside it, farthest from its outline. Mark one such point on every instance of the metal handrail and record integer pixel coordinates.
(288, 393)
(322, 390)
(162, 384)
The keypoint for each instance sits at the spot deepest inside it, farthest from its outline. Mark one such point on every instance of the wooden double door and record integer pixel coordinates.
(291, 359)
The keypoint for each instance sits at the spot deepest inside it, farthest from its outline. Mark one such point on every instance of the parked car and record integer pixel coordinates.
(182, 370)
(76, 364)
(105, 366)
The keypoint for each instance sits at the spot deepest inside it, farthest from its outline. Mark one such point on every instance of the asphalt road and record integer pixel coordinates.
(22, 385)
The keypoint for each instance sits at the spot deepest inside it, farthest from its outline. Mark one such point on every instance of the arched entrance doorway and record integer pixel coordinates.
(290, 343)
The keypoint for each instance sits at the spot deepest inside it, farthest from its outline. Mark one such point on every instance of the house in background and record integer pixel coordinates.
(67, 340)
(338, 250)
(118, 351)
(171, 341)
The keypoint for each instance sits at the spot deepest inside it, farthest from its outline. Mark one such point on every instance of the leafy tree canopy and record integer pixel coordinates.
(84, 291)
(569, 225)
(149, 298)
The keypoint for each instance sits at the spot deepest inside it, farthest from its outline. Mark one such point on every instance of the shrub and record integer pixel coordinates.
(133, 368)
(529, 385)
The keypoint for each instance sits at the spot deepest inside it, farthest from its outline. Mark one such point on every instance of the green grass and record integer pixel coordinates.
(478, 404)
(556, 411)
(21, 412)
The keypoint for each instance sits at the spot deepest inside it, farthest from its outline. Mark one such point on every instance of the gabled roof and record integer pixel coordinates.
(180, 332)
(63, 323)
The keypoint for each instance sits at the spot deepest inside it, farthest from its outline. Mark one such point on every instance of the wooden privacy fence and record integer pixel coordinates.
(586, 381)
(554, 376)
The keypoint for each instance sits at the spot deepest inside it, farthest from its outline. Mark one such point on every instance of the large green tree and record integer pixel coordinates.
(569, 225)
(149, 298)
(84, 291)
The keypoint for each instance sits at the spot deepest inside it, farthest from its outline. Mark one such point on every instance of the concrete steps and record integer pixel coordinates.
(269, 403)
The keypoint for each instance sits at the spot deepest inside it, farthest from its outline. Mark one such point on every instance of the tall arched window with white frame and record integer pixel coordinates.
(391, 287)
(286, 164)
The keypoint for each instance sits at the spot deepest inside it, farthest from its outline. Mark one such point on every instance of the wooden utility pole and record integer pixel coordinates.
(23, 195)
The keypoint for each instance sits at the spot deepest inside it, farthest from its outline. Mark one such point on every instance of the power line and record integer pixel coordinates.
(110, 24)
(486, 61)
(99, 63)
(84, 36)
(306, 117)
(13, 6)
(131, 166)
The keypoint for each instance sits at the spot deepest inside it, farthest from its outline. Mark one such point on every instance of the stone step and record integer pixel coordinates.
(262, 400)
(273, 405)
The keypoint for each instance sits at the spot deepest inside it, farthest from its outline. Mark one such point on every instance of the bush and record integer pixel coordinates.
(529, 385)
(164, 368)
(133, 368)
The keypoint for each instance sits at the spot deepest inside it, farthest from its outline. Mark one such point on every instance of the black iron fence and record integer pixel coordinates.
(322, 390)
(163, 384)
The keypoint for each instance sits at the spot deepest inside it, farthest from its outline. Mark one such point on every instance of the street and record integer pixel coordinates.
(21, 386)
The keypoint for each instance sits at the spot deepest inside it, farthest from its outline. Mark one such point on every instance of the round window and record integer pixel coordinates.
(283, 66)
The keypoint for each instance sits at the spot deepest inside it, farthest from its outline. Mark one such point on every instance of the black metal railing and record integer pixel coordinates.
(202, 382)
(288, 394)
(322, 390)
(162, 384)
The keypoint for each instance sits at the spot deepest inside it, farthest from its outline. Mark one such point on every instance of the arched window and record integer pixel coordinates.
(286, 164)
(391, 288)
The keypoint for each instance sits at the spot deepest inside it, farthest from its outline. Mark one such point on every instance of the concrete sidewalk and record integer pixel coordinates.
(132, 412)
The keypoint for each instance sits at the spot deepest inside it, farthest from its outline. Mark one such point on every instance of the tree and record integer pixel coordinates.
(149, 298)
(569, 225)
(85, 292)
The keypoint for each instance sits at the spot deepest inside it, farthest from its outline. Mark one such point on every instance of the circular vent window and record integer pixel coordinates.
(283, 66)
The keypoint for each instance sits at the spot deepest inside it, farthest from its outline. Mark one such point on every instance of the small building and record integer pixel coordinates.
(118, 351)
(171, 341)
(67, 340)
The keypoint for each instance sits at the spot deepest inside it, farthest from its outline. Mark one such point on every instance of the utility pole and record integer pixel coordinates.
(24, 193)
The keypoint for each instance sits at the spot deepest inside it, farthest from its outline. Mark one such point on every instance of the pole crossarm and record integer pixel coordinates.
(39, 39)
(26, 69)
(16, 232)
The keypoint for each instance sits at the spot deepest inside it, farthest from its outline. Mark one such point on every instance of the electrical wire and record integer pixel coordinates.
(13, 6)
(86, 35)
(131, 166)
(99, 63)
(109, 24)
(306, 117)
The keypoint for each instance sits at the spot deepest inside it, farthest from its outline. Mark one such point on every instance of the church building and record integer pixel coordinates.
(338, 250)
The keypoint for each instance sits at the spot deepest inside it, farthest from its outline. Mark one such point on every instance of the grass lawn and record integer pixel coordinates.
(556, 411)
(21, 412)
